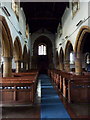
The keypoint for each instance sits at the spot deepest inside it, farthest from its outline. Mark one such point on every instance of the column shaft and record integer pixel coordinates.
(7, 67)
(61, 66)
(18, 66)
(67, 66)
(78, 66)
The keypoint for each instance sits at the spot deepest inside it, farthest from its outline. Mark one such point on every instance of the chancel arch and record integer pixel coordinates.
(81, 48)
(45, 60)
(7, 47)
(17, 53)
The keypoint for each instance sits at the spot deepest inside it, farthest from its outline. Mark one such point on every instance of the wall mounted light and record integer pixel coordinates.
(60, 44)
(66, 37)
(20, 32)
(6, 11)
(25, 41)
(79, 23)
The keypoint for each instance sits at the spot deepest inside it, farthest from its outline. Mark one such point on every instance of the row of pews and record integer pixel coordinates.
(75, 88)
(19, 89)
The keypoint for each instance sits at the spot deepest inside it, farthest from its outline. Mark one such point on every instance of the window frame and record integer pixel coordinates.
(44, 52)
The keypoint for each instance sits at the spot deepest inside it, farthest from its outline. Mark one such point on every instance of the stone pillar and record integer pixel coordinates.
(18, 66)
(78, 66)
(7, 67)
(61, 66)
(67, 66)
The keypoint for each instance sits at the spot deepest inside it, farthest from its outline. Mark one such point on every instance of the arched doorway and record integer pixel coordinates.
(81, 49)
(17, 53)
(61, 59)
(42, 54)
(7, 48)
(69, 57)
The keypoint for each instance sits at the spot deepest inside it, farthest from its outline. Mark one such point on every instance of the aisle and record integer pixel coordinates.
(51, 105)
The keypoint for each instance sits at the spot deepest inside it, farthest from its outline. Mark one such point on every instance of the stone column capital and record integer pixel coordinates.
(7, 59)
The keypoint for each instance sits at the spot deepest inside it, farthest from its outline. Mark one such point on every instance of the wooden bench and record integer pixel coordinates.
(79, 91)
(76, 88)
(18, 90)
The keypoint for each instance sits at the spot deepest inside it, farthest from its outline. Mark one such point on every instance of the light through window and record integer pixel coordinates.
(42, 50)
(71, 58)
(88, 59)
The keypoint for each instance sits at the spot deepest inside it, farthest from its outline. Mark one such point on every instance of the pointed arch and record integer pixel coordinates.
(79, 39)
(61, 56)
(6, 39)
(68, 49)
(17, 49)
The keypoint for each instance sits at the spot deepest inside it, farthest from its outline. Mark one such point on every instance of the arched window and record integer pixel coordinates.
(71, 58)
(42, 49)
(87, 58)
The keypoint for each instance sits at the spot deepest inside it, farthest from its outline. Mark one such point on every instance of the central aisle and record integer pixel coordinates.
(51, 105)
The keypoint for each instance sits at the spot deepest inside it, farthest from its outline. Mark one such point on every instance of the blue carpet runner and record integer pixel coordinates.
(51, 105)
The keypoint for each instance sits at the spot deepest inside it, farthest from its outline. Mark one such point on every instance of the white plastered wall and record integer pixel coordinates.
(15, 25)
(69, 27)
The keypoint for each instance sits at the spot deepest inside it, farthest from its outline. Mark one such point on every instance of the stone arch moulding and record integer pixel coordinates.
(68, 44)
(50, 37)
(17, 49)
(79, 39)
(6, 39)
(42, 44)
(39, 35)
(78, 48)
(68, 50)
(42, 40)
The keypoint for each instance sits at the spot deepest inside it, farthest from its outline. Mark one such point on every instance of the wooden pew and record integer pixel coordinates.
(79, 91)
(25, 74)
(75, 88)
(18, 90)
